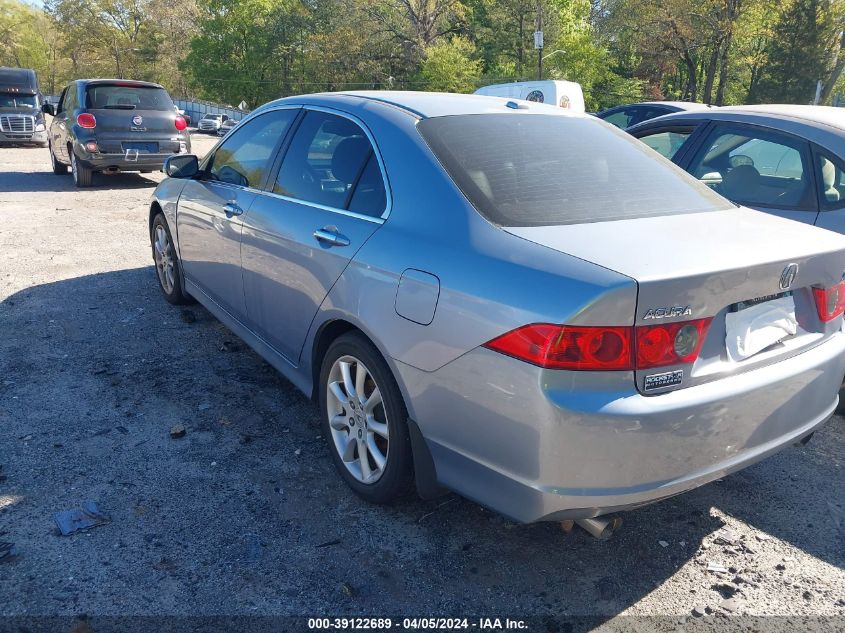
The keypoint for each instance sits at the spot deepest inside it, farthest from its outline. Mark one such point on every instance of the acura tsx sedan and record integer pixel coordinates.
(505, 299)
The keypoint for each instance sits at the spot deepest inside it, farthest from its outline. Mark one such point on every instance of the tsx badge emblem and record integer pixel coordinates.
(787, 277)
(137, 120)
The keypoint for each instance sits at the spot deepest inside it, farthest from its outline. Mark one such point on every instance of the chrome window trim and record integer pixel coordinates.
(388, 207)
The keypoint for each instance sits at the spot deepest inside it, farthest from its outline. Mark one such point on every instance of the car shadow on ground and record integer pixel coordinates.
(47, 181)
(245, 513)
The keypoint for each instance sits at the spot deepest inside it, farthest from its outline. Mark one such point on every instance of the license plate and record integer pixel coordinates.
(142, 148)
(755, 326)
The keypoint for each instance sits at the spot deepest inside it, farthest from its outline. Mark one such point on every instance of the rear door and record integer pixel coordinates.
(59, 124)
(211, 207)
(760, 168)
(132, 118)
(830, 182)
(328, 196)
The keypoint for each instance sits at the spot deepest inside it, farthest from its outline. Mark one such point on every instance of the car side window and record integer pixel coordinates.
(831, 180)
(61, 105)
(621, 119)
(245, 156)
(756, 167)
(70, 99)
(666, 143)
(331, 162)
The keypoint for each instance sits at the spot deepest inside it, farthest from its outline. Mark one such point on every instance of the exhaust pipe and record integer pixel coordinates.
(600, 527)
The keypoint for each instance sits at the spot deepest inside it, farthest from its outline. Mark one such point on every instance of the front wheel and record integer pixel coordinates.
(364, 421)
(82, 176)
(167, 264)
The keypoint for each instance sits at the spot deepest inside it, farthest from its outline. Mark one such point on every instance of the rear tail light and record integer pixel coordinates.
(670, 343)
(604, 348)
(830, 302)
(180, 123)
(568, 347)
(86, 120)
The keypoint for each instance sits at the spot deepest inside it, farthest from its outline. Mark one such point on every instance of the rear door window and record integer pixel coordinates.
(245, 156)
(331, 162)
(831, 180)
(621, 118)
(539, 170)
(667, 143)
(756, 167)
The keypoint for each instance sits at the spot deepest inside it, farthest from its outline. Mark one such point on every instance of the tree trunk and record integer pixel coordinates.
(723, 70)
(838, 67)
(692, 85)
(710, 75)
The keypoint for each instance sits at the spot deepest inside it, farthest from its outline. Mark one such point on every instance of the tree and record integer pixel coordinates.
(450, 66)
(798, 54)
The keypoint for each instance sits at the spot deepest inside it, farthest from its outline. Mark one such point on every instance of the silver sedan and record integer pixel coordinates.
(521, 304)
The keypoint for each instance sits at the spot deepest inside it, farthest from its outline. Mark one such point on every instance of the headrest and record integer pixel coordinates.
(348, 158)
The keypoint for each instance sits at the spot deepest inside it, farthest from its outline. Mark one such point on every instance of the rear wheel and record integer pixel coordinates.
(82, 176)
(364, 421)
(58, 168)
(168, 268)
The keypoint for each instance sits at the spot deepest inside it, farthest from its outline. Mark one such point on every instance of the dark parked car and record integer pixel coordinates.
(632, 113)
(110, 125)
(226, 127)
(787, 160)
(21, 121)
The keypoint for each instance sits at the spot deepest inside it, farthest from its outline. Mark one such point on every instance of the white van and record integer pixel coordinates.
(566, 94)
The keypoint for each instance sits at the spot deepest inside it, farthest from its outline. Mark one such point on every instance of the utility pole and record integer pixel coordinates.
(538, 39)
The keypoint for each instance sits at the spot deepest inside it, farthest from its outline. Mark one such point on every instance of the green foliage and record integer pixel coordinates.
(450, 66)
(719, 51)
(798, 54)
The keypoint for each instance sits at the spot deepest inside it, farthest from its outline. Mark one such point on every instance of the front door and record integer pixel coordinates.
(760, 168)
(328, 197)
(211, 207)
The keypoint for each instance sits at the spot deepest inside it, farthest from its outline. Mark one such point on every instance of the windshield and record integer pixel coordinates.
(17, 100)
(213, 117)
(127, 97)
(540, 170)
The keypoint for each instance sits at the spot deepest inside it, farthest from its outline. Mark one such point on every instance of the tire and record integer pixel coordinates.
(167, 265)
(82, 176)
(60, 169)
(349, 428)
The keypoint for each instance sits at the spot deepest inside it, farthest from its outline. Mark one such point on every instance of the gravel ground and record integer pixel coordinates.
(245, 514)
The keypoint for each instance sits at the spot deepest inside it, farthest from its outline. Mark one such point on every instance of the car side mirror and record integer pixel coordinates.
(47, 108)
(182, 166)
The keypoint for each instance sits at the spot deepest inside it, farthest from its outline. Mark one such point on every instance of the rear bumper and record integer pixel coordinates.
(29, 138)
(548, 445)
(101, 162)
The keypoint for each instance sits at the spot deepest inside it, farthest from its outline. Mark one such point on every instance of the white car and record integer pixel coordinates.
(565, 94)
(210, 123)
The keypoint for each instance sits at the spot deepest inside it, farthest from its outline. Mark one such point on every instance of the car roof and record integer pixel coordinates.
(129, 83)
(683, 105)
(428, 104)
(814, 116)
(819, 124)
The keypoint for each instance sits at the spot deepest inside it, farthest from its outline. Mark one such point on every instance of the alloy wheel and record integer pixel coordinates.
(164, 259)
(357, 419)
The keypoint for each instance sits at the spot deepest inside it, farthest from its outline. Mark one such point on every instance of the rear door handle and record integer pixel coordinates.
(232, 209)
(329, 235)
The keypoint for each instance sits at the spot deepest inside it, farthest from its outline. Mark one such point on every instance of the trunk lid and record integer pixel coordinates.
(149, 131)
(702, 265)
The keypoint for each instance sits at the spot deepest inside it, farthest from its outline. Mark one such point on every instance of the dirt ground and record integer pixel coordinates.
(245, 515)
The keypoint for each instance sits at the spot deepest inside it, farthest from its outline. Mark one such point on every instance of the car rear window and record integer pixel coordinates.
(127, 97)
(540, 170)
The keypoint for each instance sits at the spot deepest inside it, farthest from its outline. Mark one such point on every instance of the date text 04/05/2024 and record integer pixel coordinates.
(425, 623)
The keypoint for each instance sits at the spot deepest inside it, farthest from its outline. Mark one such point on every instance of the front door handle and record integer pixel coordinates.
(329, 235)
(232, 209)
